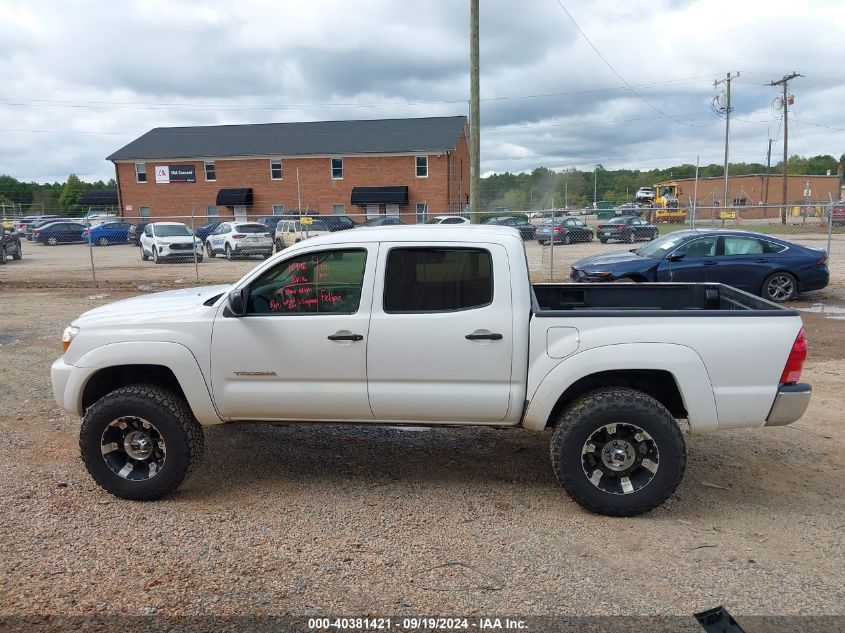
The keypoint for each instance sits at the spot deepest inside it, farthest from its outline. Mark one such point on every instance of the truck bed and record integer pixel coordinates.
(649, 299)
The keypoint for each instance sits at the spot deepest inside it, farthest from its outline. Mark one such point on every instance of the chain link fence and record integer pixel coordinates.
(107, 251)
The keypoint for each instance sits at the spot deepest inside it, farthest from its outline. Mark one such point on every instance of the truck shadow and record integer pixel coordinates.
(729, 472)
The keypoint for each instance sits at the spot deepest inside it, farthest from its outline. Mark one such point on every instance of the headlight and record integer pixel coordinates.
(68, 335)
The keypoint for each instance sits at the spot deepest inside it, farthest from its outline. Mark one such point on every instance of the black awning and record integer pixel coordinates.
(235, 197)
(100, 198)
(379, 195)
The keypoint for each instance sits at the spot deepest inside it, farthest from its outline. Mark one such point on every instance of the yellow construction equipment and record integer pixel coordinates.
(666, 203)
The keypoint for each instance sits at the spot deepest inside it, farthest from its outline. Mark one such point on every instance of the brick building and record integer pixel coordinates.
(375, 167)
(750, 190)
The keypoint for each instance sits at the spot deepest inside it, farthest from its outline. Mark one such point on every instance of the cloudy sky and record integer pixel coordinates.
(81, 79)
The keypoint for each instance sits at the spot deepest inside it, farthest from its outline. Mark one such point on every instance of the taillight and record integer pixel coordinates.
(620, 228)
(558, 229)
(821, 261)
(36, 233)
(795, 362)
(238, 236)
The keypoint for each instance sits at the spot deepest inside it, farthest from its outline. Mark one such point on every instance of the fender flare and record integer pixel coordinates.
(174, 356)
(683, 362)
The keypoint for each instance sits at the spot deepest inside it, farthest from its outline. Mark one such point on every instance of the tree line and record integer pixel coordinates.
(544, 188)
(50, 197)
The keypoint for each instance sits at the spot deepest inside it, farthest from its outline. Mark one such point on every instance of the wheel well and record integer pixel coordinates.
(108, 379)
(659, 384)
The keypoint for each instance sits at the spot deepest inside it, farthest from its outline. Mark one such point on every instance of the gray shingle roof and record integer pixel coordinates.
(380, 136)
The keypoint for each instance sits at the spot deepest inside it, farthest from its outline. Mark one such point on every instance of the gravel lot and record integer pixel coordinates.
(350, 520)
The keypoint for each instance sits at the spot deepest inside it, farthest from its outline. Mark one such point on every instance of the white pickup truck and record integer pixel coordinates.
(431, 326)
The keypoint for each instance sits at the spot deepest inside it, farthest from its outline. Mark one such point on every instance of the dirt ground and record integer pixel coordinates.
(351, 520)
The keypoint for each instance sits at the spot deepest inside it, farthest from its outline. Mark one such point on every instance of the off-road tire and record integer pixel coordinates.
(619, 405)
(172, 417)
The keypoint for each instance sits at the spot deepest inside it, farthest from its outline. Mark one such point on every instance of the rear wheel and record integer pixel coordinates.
(17, 254)
(52, 241)
(228, 252)
(603, 240)
(2, 255)
(618, 452)
(140, 442)
(279, 245)
(630, 237)
(780, 287)
(567, 238)
(103, 241)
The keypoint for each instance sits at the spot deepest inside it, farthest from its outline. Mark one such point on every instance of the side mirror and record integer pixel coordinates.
(237, 301)
(676, 257)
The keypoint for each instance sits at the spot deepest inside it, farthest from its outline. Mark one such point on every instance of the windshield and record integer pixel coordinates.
(434, 221)
(171, 230)
(659, 247)
(251, 228)
(314, 226)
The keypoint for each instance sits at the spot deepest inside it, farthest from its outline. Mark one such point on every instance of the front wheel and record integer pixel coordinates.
(780, 287)
(18, 253)
(103, 241)
(156, 258)
(603, 240)
(144, 255)
(209, 251)
(140, 442)
(618, 452)
(2, 255)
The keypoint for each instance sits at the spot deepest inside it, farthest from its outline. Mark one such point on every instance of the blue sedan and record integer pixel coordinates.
(108, 233)
(760, 264)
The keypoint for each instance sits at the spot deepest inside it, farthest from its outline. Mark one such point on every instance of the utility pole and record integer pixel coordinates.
(727, 82)
(768, 171)
(474, 116)
(784, 82)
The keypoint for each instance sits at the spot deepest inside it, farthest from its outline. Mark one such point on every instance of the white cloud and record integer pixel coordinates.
(82, 79)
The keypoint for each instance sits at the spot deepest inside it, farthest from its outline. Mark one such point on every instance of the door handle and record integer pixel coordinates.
(761, 260)
(710, 263)
(484, 337)
(345, 337)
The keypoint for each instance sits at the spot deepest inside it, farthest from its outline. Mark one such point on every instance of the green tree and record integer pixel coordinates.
(71, 197)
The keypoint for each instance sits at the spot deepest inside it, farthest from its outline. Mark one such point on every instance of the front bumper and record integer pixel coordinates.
(790, 404)
(59, 376)
(167, 250)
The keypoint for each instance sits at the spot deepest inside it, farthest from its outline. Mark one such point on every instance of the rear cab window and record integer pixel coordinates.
(431, 279)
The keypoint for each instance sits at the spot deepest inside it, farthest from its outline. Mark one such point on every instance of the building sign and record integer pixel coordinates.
(175, 173)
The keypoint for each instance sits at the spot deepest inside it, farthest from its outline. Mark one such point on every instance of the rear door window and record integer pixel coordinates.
(742, 246)
(437, 279)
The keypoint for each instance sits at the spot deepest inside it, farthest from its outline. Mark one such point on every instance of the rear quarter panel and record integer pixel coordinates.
(741, 360)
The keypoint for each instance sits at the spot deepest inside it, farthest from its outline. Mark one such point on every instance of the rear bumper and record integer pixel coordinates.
(790, 404)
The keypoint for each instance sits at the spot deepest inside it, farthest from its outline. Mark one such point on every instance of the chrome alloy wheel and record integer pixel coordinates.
(620, 458)
(780, 287)
(133, 448)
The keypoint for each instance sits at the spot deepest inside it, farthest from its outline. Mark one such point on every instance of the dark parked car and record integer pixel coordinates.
(384, 220)
(28, 229)
(525, 228)
(564, 230)
(59, 232)
(10, 245)
(22, 223)
(205, 230)
(760, 264)
(626, 229)
(135, 232)
(338, 222)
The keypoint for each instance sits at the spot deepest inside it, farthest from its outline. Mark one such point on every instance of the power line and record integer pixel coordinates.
(615, 72)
